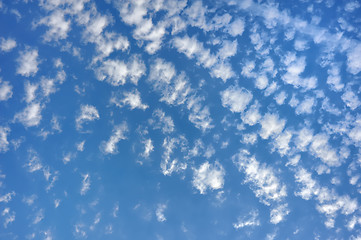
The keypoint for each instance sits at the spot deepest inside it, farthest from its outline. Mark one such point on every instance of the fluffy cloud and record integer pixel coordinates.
(271, 125)
(236, 98)
(5, 90)
(28, 62)
(264, 182)
(174, 147)
(208, 176)
(353, 56)
(31, 115)
(119, 133)
(321, 148)
(249, 220)
(161, 121)
(4, 143)
(117, 72)
(160, 212)
(131, 98)
(87, 113)
(236, 28)
(6, 45)
(58, 26)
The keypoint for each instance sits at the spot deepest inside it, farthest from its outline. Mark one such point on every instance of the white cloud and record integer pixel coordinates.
(236, 98)
(208, 176)
(353, 62)
(228, 49)
(281, 142)
(5, 90)
(264, 182)
(85, 184)
(6, 45)
(334, 78)
(39, 216)
(306, 106)
(321, 148)
(4, 143)
(279, 213)
(304, 138)
(7, 197)
(87, 113)
(236, 28)
(31, 115)
(160, 212)
(170, 164)
(250, 220)
(350, 99)
(261, 82)
(148, 147)
(117, 72)
(28, 62)
(131, 98)
(252, 115)
(58, 26)
(281, 97)
(352, 6)
(161, 121)
(119, 133)
(30, 91)
(9, 216)
(80, 146)
(271, 125)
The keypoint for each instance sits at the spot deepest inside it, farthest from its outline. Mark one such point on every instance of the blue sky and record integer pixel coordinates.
(180, 119)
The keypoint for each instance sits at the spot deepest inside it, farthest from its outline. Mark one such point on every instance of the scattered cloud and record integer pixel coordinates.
(208, 176)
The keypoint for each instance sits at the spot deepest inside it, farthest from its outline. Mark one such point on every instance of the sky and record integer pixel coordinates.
(176, 119)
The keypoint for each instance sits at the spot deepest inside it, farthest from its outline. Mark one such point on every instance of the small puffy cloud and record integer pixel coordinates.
(9, 216)
(33, 164)
(281, 143)
(58, 26)
(350, 99)
(39, 216)
(85, 186)
(264, 182)
(148, 147)
(321, 148)
(119, 133)
(304, 138)
(236, 28)
(160, 212)
(334, 78)
(250, 220)
(4, 143)
(261, 82)
(278, 214)
(6, 90)
(353, 59)
(131, 98)
(271, 125)
(281, 97)
(228, 49)
(30, 91)
(6, 45)
(7, 197)
(236, 98)
(252, 115)
(208, 176)
(161, 121)
(28, 62)
(352, 6)
(87, 113)
(306, 106)
(174, 147)
(117, 72)
(31, 115)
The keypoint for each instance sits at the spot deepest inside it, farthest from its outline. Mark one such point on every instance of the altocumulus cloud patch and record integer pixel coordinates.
(180, 119)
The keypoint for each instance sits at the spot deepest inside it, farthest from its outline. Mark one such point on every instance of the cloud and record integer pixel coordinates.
(271, 125)
(39, 216)
(131, 98)
(208, 176)
(87, 113)
(148, 147)
(119, 133)
(28, 62)
(4, 143)
(5, 90)
(252, 115)
(31, 115)
(353, 56)
(236, 28)
(171, 164)
(278, 214)
(321, 148)
(117, 72)
(9, 216)
(6, 45)
(85, 184)
(58, 26)
(161, 121)
(250, 220)
(160, 212)
(7, 197)
(236, 98)
(264, 182)
(306, 106)
(350, 99)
